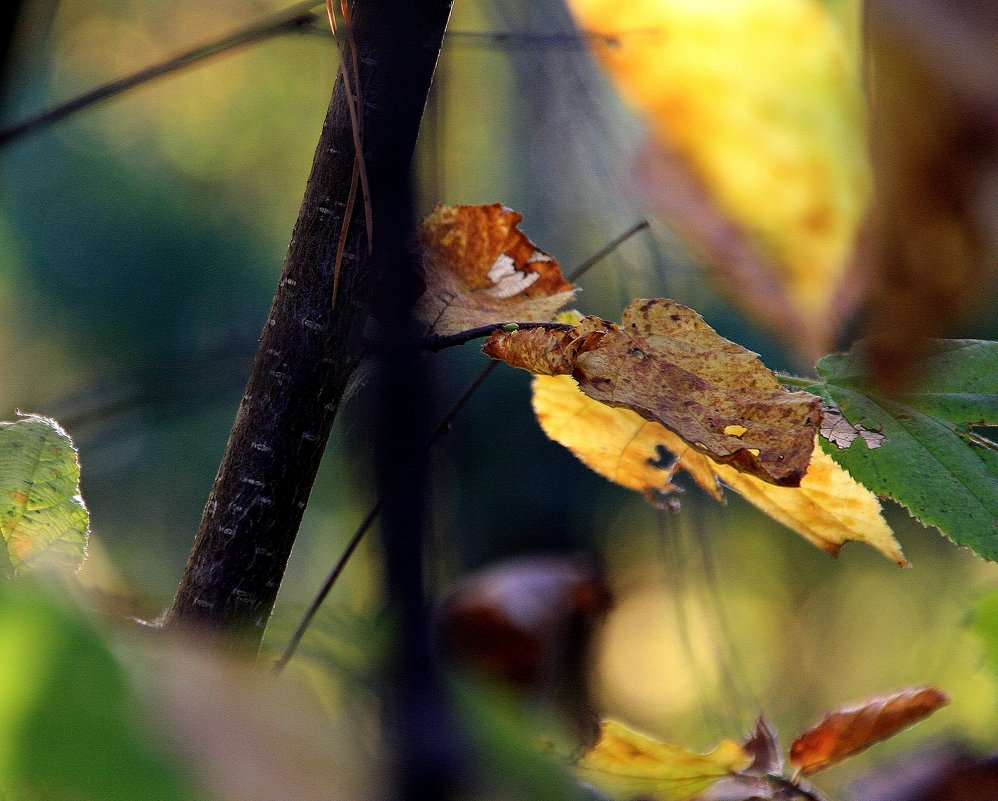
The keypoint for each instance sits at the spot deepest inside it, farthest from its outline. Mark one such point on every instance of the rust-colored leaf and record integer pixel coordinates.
(665, 363)
(847, 731)
(828, 509)
(479, 268)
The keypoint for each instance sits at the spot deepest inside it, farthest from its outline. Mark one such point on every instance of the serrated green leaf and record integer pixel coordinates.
(927, 461)
(959, 381)
(71, 725)
(43, 519)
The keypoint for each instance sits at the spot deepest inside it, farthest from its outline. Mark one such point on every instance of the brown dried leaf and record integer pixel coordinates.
(847, 731)
(828, 508)
(934, 142)
(479, 268)
(835, 428)
(665, 363)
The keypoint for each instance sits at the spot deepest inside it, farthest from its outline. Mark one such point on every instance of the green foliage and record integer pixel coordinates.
(42, 516)
(70, 724)
(929, 459)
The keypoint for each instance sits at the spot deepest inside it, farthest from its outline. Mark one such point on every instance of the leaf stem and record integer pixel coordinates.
(440, 342)
(796, 381)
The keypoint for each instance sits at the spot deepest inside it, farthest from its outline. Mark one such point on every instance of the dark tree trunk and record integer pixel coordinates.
(308, 351)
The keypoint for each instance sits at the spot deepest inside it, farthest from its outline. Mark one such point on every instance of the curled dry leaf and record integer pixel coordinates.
(828, 508)
(479, 268)
(627, 765)
(847, 731)
(665, 363)
(757, 155)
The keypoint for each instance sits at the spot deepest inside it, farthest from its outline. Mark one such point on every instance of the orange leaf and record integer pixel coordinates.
(665, 363)
(849, 730)
(828, 508)
(479, 268)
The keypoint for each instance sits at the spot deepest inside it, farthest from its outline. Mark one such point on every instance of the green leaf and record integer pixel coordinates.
(928, 460)
(959, 383)
(70, 724)
(43, 519)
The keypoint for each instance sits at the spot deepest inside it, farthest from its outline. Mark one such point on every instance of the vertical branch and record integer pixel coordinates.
(308, 351)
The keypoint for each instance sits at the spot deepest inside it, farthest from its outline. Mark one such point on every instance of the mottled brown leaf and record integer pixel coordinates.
(849, 730)
(667, 365)
(479, 268)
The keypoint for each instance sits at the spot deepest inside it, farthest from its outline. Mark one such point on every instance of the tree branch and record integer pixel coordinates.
(308, 350)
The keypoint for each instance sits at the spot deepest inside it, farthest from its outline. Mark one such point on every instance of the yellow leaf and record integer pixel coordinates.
(628, 765)
(828, 509)
(757, 120)
(665, 363)
(479, 268)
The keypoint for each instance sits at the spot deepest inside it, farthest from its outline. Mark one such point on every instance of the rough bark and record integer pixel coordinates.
(308, 351)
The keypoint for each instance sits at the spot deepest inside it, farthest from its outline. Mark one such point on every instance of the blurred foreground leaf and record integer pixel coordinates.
(70, 725)
(758, 158)
(42, 516)
(626, 764)
(929, 459)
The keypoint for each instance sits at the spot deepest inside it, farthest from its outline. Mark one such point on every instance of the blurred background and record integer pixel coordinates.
(141, 241)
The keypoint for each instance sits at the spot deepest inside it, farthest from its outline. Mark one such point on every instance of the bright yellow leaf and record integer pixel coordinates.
(828, 509)
(627, 765)
(756, 107)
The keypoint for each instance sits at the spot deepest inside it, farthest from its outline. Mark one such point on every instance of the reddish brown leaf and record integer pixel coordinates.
(667, 365)
(847, 731)
(479, 268)
(512, 618)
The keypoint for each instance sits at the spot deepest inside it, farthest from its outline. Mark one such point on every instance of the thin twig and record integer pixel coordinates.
(605, 251)
(440, 430)
(290, 19)
(355, 111)
(362, 529)
(442, 341)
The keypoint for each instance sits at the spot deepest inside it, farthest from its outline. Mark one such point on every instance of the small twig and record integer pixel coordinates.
(440, 342)
(605, 251)
(362, 529)
(355, 110)
(292, 18)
